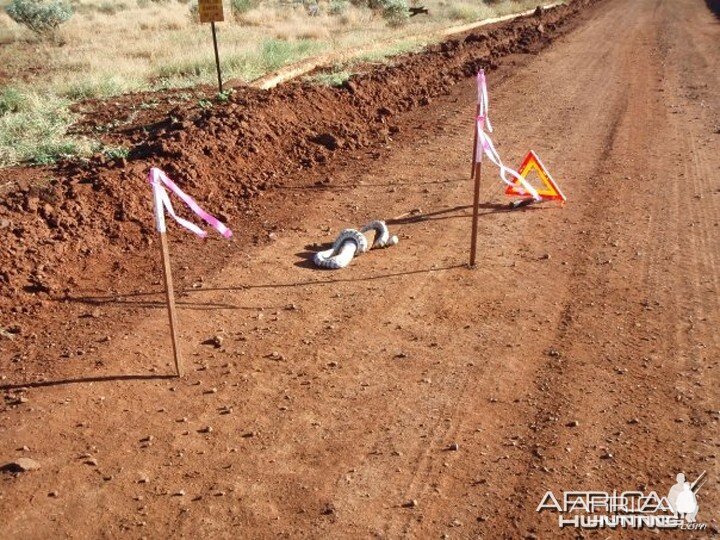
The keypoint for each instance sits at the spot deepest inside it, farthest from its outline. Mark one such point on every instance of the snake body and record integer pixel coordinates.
(351, 242)
(382, 234)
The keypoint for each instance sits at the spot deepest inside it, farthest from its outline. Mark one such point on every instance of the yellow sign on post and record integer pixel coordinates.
(210, 11)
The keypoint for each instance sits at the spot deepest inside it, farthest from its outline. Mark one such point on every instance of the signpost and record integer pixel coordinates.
(212, 11)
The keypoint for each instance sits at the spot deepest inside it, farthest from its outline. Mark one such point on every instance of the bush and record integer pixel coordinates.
(238, 7)
(11, 100)
(395, 12)
(338, 7)
(40, 16)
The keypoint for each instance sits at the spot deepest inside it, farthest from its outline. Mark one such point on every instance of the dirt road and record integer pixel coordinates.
(581, 354)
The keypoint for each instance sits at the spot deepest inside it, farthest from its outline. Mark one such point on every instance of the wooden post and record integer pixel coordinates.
(472, 168)
(170, 298)
(217, 57)
(159, 208)
(477, 173)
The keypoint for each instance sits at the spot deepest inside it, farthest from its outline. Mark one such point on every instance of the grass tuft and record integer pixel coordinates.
(36, 132)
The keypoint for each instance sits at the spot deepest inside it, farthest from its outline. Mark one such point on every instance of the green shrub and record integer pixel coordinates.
(338, 7)
(11, 100)
(111, 7)
(40, 16)
(116, 152)
(395, 12)
(238, 7)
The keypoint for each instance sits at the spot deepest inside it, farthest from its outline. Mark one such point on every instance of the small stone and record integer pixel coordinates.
(454, 447)
(53, 494)
(606, 455)
(215, 341)
(412, 503)
(149, 438)
(573, 423)
(211, 391)
(207, 429)
(328, 509)
(143, 479)
(92, 462)
(633, 421)
(180, 493)
(401, 355)
(21, 465)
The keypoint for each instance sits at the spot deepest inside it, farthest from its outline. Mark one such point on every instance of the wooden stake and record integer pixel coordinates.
(217, 57)
(170, 297)
(477, 173)
(472, 168)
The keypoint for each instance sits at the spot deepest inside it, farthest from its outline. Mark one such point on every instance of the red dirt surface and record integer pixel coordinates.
(227, 156)
(581, 354)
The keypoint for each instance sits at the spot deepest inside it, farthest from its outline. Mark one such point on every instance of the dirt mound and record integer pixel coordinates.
(90, 220)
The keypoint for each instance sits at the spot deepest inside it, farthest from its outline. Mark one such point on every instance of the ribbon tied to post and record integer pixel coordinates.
(161, 184)
(485, 145)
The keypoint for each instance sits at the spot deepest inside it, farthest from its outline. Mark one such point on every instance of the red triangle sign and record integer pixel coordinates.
(549, 190)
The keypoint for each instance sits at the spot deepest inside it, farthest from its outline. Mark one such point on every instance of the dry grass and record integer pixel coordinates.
(114, 46)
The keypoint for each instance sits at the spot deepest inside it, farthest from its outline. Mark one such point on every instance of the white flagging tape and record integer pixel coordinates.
(160, 183)
(485, 145)
(352, 242)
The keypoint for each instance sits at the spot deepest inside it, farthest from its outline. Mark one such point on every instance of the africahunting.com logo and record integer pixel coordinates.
(629, 509)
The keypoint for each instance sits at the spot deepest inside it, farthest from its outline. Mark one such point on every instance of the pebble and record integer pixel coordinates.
(21, 465)
(215, 341)
(573, 423)
(328, 509)
(454, 447)
(412, 503)
(53, 494)
(207, 429)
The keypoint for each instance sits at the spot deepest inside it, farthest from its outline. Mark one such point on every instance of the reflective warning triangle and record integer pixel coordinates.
(549, 191)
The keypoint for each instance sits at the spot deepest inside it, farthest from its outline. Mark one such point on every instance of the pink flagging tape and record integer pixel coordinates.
(486, 146)
(160, 181)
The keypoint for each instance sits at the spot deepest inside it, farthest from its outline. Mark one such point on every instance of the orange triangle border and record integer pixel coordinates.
(551, 191)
